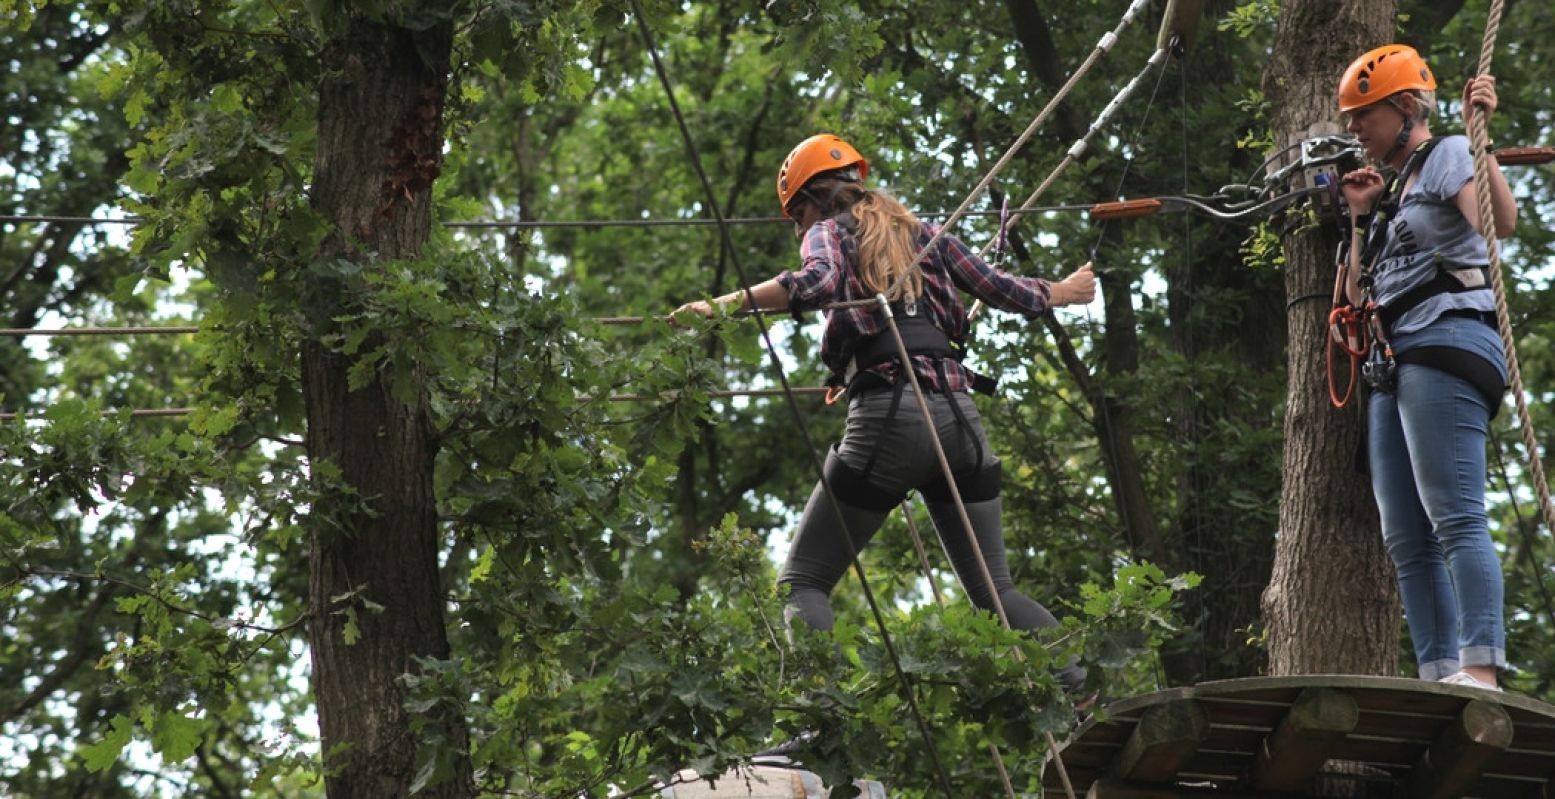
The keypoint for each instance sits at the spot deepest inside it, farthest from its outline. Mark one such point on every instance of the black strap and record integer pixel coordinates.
(855, 488)
(955, 408)
(921, 337)
(979, 486)
(1387, 207)
(919, 334)
(1462, 364)
(890, 417)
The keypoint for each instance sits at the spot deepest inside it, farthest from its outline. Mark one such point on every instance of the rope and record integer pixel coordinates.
(777, 365)
(939, 599)
(1523, 532)
(138, 413)
(662, 396)
(20, 332)
(487, 224)
(1103, 46)
(1479, 139)
(1078, 149)
(966, 521)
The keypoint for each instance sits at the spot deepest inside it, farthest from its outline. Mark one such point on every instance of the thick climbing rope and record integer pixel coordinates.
(1078, 148)
(939, 600)
(1480, 140)
(1103, 46)
(793, 404)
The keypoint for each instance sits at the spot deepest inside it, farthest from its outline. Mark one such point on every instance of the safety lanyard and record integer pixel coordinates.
(1381, 217)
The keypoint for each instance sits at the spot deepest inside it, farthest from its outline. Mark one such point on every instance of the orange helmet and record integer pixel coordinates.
(1382, 73)
(820, 153)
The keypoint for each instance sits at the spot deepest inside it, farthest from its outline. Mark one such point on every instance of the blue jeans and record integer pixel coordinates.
(1426, 443)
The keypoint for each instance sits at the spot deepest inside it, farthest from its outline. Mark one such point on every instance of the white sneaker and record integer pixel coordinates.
(1465, 678)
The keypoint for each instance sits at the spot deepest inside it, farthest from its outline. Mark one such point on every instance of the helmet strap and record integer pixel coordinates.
(1402, 140)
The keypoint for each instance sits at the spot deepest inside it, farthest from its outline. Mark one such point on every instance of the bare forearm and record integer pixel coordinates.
(1352, 276)
(769, 295)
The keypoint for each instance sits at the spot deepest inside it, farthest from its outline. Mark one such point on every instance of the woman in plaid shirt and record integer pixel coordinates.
(856, 243)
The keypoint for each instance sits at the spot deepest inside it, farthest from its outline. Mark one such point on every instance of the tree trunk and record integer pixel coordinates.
(1331, 604)
(374, 554)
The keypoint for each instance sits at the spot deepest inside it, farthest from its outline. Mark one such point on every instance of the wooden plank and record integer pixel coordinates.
(1316, 724)
(1165, 738)
(1460, 753)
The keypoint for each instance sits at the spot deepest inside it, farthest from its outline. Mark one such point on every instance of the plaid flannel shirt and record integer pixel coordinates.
(827, 275)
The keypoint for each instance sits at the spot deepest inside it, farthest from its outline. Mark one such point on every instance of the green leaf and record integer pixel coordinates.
(135, 107)
(176, 736)
(102, 754)
(483, 564)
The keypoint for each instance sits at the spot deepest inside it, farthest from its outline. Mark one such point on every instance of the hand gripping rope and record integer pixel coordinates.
(1080, 145)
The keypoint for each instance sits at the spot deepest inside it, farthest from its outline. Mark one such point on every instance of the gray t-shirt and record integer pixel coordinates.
(1428, 234)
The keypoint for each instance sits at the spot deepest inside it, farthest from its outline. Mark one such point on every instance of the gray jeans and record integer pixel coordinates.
(819, 556)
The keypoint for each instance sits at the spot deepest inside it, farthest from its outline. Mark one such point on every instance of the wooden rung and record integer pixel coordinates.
(1460, 752)
(1123, 209)
(1514, 156)
(1315, 725)
(1166, 738)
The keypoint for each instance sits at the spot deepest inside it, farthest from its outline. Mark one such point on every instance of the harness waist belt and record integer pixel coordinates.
(921, 337)
(1445, 281)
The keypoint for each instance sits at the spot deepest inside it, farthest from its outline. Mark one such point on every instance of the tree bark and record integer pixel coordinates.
(1331, 605)
(374, 540)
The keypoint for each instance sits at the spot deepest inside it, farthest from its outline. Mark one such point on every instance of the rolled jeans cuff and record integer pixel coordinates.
(1483, 656)
(1437, 669)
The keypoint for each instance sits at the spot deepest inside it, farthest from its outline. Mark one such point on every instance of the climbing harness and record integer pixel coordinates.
(1354, 331)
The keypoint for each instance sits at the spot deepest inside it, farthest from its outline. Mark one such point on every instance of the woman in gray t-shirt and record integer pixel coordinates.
(1429, 417)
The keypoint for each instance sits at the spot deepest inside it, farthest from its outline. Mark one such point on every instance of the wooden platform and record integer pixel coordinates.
(1318, 735)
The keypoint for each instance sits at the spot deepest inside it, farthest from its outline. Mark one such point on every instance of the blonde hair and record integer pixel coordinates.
(1425, 104)
(887, 242)
(887, 237)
